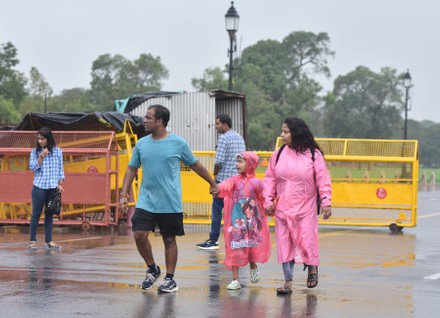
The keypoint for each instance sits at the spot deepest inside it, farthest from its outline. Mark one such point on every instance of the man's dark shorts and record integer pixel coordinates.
(170, 224)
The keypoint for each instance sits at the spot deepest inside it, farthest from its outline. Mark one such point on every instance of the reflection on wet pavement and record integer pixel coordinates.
(364, 272)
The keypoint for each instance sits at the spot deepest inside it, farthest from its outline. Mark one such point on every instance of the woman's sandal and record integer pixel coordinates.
(312, 278)
(52, 244)
(285, 290)
(33, 245)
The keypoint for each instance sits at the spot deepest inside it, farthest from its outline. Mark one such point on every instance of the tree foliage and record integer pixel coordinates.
(428, 134)
(38, 86)
(364, 104)
(73, 100)
(115, 77)
(278, 80)
(12, 82)
(8, 112)
(212, 78)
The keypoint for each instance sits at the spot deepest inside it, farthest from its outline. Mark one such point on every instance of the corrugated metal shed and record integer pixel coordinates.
(193, 115)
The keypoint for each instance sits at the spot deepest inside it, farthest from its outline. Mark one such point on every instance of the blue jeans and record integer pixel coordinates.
(40, 197)
(217, 209)
(288, 270)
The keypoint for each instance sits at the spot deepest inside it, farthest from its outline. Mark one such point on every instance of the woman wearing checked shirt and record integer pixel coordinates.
(46, 162)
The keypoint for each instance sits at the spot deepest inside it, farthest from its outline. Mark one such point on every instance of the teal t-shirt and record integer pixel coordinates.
(161, 190)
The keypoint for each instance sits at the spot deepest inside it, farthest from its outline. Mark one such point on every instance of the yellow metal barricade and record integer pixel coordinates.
(374, 182)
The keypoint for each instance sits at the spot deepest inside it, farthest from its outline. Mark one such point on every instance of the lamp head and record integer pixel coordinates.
(407, 79)
(232, 19)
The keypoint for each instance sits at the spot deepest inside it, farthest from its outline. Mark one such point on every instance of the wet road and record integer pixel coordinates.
(364, 272)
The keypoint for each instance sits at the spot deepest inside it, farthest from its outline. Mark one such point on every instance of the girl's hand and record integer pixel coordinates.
(214, 190)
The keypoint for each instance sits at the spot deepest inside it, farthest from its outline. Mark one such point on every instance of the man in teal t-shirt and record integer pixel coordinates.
(160, 195)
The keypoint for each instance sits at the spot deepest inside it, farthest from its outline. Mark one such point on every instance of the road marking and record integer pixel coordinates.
(434, 276)
(82, 239)
(428, 215)
(334, 234)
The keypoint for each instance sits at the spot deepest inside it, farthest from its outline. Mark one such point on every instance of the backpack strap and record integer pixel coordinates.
(313, 158)
(281, 150)
(279, 153)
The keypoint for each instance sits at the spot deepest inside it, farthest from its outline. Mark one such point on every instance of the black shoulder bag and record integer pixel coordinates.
(318, 199)
(54, 204)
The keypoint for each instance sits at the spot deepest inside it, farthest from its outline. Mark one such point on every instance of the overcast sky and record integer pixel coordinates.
(61, 38)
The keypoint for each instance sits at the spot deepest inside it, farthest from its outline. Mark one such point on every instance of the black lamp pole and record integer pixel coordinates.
(232, 19)
(407, 84)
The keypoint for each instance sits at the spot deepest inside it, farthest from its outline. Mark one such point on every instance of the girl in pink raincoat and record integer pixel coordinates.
(296, 175)
(246, 233)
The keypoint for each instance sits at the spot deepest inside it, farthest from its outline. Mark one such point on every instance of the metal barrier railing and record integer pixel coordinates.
(374, 182)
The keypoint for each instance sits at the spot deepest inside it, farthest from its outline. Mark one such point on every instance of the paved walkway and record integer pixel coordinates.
(365, 272)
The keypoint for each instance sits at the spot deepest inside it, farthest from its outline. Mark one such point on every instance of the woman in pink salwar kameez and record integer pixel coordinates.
(296, 174)
(246, 233)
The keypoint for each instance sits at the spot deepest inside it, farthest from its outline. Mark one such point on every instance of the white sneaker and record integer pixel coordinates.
(254, 275)
(235, 284)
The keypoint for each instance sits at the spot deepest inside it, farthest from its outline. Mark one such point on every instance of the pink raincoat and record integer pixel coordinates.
(292, 184)
(245, 226)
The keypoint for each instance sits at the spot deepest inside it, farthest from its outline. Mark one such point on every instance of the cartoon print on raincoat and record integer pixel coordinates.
(246, 232)
(245, 224)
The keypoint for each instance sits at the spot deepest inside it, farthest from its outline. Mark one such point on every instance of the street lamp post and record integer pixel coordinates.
(407, 84)
(231, 18)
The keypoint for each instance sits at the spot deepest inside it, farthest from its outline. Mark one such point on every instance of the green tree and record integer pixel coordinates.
(364, 104)
(12, 82)
(277, 78)
(39, 93)
(263, 65)
(283, 74)
(73, 100)
(38, 86)
(428, 134)
(212, 78)
(8, 112)
(115, 77)
(263, 120)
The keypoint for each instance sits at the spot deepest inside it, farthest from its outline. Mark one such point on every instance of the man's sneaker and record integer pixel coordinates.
(254, 275)
(151, 278)
(168, 286)
(235, 284)
(208, 245)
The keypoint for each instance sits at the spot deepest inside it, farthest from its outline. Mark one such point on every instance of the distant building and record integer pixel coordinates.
(192, 114)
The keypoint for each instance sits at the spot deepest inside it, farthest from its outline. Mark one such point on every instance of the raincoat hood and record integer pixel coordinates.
(252, 161)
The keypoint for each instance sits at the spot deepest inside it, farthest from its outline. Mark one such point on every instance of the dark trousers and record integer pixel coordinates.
(217, 209)
(40, 197)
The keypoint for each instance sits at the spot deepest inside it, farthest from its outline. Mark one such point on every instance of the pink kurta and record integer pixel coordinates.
(245, 228)
(292, 184)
